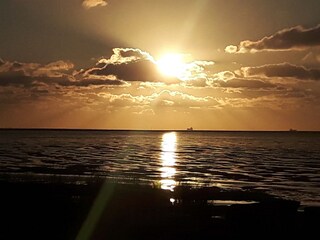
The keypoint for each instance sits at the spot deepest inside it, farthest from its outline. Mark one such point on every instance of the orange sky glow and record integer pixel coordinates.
(212, 65)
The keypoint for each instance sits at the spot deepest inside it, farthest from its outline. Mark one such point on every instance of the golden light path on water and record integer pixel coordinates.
(168, 160)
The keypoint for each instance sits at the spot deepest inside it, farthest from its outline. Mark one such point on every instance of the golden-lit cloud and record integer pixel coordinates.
(295, 38)
(164, 98)
(94, 3)
(231, 49)
(175, 98)
(126, 55)
(224, 76)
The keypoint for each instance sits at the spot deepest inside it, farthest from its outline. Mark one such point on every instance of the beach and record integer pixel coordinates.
(108, 210)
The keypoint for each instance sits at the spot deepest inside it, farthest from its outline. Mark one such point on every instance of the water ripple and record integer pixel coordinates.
(287, 164)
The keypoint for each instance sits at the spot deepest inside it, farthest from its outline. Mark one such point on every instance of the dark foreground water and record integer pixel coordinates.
(286, 164)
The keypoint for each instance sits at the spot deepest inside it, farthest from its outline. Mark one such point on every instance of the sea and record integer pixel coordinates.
(285, 164)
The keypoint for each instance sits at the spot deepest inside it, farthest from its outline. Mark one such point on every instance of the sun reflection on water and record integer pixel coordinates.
(168, 161)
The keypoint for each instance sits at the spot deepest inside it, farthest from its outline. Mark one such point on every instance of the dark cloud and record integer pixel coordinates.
(130, 65)
(243, 83)
(65, 81)
(35, 69)
(311, 59)
(91, 82)
(30, 74)
(135, 53)
(287, 39)
(15, 79)
(284, 70)
(140, 70)
(197, 83)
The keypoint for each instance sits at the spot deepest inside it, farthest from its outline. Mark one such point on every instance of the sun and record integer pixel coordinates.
(173, 65)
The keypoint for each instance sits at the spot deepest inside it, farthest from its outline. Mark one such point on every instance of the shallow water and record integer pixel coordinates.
(286, 164)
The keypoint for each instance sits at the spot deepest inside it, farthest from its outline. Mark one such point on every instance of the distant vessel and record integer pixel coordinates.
(190, 129)
(292, 130)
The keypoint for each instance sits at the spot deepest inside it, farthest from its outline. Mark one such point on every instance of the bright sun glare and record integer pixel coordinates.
(173, 65)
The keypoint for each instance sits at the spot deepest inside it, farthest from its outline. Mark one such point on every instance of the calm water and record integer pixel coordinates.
(286, 164)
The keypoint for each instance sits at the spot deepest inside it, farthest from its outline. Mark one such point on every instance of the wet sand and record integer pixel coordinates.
(106, 210)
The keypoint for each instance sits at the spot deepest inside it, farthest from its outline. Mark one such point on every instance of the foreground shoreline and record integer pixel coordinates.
(107, 210)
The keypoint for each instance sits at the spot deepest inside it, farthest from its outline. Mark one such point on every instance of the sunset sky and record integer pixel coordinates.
(160, 64)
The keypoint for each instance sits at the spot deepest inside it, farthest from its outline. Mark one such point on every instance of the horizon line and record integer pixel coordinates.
(151, 130)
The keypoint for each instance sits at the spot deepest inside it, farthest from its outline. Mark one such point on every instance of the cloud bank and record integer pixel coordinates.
(123, 66)
(295, 38)
(282, 70)
(58, 73)
(130, 64)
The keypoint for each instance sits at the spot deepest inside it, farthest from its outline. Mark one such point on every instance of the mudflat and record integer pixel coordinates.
(98, 209)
